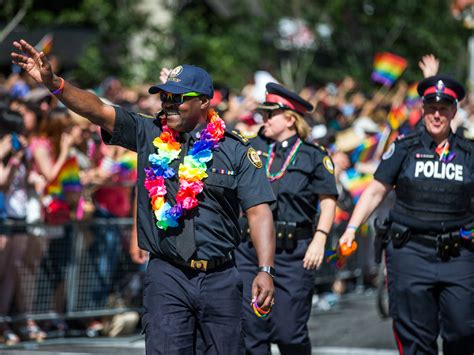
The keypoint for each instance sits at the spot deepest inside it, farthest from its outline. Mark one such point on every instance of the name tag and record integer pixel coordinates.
(439, 170)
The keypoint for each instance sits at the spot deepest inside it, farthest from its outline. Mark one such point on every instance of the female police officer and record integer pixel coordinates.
(301, 175)
(430, 262)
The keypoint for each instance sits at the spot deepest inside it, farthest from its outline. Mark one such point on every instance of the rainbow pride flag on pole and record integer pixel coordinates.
(388, 68)
(365, 151)
(355, 182)
(412, 95)
(67, 179)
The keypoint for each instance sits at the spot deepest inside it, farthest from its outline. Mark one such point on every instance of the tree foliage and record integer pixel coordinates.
(233, 48)
(234, 45)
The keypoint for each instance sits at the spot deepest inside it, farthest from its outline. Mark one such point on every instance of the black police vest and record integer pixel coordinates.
(430, 196)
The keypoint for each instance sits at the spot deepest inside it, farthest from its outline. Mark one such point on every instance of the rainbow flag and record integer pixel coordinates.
(412, 94)
(67, 179)
(45, 44)
(126, 166)
(356, 182)
(365, 151)
(388, 68)
(397, 116)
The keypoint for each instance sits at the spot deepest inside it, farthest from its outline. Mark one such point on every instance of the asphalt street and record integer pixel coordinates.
(352, 327)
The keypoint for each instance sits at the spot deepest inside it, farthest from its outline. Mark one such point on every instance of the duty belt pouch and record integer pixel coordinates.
(280, 234)
(447, 245)
(290, 241)
(398, 234)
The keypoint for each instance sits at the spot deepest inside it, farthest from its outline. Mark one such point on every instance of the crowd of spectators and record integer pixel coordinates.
(40, 138)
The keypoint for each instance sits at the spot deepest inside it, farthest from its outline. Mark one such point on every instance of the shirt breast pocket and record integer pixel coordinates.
(220, 182)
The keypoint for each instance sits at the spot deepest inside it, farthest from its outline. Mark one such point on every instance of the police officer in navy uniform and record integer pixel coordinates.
(302, 178)
(193, 292)
(430, 259)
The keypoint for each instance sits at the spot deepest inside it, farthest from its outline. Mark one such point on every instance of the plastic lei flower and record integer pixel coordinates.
(192, 171)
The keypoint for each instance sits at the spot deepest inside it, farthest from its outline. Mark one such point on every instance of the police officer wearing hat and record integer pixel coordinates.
(430, 259)
(302, 178)
(193, 292)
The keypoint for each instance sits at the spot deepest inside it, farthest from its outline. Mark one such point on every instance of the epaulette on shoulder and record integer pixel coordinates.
(466, 144)
(409, 139)
(147, 116)
(238, 136)
(318, 146)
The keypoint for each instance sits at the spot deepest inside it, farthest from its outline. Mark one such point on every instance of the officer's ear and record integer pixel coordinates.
(205, 102)
(290, 119)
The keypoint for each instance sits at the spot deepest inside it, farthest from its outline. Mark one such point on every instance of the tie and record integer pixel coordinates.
(185, 243)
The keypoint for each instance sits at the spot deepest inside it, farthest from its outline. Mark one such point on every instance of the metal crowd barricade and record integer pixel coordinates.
(81, 269)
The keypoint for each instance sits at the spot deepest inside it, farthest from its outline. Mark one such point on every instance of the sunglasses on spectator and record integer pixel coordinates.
(177, 99)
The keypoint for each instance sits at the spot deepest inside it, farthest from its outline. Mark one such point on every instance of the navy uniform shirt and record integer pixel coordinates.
(309, 175)
(233, 179)
(431, 195)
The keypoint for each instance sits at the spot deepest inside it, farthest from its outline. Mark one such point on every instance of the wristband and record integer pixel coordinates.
(323, 232)
(60, 89)
(351, 226)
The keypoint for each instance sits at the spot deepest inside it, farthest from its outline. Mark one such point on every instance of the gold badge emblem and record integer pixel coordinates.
(254, 158)
(328, 164)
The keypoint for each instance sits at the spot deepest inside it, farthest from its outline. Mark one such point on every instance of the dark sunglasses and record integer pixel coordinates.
(177, 99)
(268, 114)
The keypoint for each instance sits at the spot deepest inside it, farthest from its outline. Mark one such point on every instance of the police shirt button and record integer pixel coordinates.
(290, 236)
(456, 245)
(446, 247)
(248, 230)
(280, 235)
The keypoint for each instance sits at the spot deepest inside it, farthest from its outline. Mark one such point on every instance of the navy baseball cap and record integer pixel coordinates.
(441, 88)
(186, 78)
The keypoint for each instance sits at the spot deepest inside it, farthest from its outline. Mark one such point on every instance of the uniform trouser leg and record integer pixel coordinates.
(427, 294)
(457, 304)
(258, 331)
(190, 312)
(287, 323)
(413, 299)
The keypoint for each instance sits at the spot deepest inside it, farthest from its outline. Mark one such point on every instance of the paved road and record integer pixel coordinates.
(351, 328)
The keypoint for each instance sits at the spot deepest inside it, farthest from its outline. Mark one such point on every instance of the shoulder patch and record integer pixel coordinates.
(389, 152)
(237, 136)
(146, 116)
(327, 162)
(252, 155)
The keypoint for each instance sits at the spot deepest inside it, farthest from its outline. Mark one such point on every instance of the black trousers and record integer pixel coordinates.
(429, 297)
(190, 312)
(286, 325)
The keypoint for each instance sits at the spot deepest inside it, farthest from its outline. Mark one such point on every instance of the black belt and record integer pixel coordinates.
(432, 240)
(200, 264)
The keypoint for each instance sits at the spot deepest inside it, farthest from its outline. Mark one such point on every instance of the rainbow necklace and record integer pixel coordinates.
(191, 171)
(271, 153)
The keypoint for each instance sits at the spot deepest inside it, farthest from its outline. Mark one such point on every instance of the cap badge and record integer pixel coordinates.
(439, 86)
(173, 75)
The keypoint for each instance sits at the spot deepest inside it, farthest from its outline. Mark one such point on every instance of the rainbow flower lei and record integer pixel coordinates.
(191, 172)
